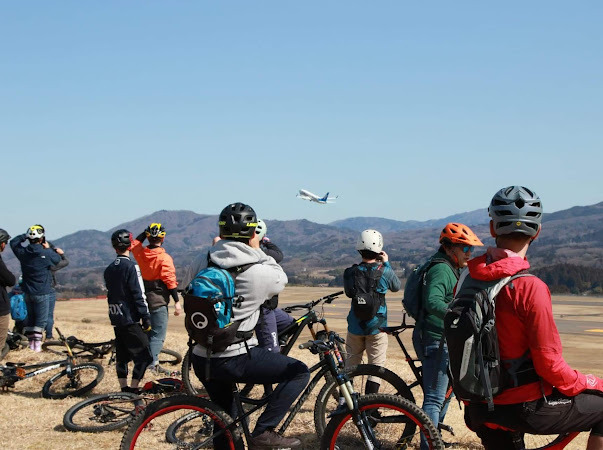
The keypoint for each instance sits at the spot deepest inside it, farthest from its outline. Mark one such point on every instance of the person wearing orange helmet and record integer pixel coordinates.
(457, 242)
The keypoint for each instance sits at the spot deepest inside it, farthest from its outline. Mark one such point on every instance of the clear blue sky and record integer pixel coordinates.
(406, 110)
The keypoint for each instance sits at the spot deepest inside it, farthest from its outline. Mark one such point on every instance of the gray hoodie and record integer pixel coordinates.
(257, 284)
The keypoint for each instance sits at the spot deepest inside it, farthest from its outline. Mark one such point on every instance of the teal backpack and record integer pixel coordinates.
(18, 310)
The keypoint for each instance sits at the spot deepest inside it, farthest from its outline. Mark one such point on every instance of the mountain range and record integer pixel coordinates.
(318, 253)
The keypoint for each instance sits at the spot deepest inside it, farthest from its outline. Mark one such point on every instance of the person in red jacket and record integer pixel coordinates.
(562, 399)
(159, 276)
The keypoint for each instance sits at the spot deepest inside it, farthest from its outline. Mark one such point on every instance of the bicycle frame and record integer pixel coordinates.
(309, 319)
(330, 363)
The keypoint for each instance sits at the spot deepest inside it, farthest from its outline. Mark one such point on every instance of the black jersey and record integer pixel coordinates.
(125, 292)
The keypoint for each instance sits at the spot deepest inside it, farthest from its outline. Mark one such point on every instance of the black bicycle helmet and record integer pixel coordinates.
(4, 236)
(237, 221)
(516, 209)
(120, 239)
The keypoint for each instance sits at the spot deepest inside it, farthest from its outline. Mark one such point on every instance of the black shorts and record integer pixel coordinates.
(554, 415)
(131, 343)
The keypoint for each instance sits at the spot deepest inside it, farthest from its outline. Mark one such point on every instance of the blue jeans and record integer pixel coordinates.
(259, 366)
(37, 314)
(434, 365)
(159, 324)
(50, 322)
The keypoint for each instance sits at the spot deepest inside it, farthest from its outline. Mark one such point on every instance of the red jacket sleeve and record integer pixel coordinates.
(545, 343)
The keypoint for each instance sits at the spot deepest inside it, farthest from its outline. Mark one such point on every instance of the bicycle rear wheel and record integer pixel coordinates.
(191, 382)
(73, 381)
(203, 419)
(541, 442)
(328, 398)
(103, 412)
(167, 356)
(58, 348)
(384, 420)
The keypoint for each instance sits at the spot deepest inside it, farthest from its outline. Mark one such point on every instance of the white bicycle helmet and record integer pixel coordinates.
(370, 240)
(261, 229)
(35, 232)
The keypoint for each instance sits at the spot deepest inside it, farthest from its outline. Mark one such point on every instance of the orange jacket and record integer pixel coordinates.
(155, 264)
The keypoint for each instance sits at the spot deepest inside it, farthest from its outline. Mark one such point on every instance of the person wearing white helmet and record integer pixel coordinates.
(272, 318)
(36, 258)
(366, 284)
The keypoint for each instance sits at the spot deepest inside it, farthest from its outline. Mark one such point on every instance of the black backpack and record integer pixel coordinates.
(363, 279)
(478, 374)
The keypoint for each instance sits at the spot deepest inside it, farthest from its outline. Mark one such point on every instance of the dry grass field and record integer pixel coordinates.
(28, 421)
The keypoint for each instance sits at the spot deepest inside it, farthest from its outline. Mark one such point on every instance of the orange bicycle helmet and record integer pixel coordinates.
(457, 233)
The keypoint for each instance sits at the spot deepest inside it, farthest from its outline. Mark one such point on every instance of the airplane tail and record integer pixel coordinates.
(325, 198)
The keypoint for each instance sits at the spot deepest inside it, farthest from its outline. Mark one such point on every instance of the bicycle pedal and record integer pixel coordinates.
(447, 428)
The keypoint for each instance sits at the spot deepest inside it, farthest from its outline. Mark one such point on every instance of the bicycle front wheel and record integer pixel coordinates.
(383, 421)
(199, 423)
(328, 398)
(167, 356)
(73, 381)
(103, 412)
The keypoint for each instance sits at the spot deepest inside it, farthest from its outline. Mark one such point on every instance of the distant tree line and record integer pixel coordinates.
(571, 279)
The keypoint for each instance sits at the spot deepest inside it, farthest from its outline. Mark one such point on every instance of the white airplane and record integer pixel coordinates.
(307, 195)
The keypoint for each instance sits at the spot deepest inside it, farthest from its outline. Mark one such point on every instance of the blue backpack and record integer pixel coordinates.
(208, 306)
(18, 310)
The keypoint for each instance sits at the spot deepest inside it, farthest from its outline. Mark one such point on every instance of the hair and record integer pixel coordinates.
(155, 240)
(367, 254)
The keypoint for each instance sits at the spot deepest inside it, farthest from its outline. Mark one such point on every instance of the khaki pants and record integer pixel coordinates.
(3, 329)
(375, 346)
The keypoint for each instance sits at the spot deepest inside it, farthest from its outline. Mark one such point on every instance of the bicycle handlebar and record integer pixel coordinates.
(327, 299)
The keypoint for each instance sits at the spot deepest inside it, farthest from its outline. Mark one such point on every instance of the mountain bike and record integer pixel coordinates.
(14, 341)
(379, 420)
(98, 350)
(328, 398)
(73, 380)
(115, 410)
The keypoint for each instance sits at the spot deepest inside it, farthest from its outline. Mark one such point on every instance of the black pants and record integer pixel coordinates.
(131, 344)
(259, 367)
(554, 415)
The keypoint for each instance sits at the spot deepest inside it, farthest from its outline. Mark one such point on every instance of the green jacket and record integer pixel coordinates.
(437, 294)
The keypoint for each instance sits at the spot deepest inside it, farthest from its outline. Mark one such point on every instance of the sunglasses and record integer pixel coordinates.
(468, 248)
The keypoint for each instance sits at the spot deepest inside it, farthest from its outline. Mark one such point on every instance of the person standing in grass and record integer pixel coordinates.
(128, 312)
(6, 279)
(159, 277)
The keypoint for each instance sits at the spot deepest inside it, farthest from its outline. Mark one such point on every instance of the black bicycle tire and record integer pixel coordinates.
(176, 358)
(58, 348)
(330, 388)
(168, 404)
(395, 402)
(47, 389)
(72, 425)
(552, 442)
(186, 371)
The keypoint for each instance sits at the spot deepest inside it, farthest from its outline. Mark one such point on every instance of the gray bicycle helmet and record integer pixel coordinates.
(237, 221)
(4, 236)
(516, 209)
(120, 239)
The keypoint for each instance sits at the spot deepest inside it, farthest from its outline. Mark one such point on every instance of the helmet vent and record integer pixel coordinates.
(519, 203)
